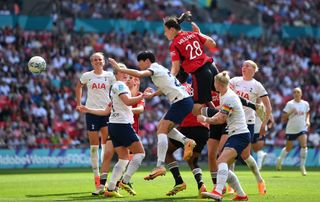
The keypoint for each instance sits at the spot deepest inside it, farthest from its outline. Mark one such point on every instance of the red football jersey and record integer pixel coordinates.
(215, 99)
(135, 125)
(188, 48)
(190, 120)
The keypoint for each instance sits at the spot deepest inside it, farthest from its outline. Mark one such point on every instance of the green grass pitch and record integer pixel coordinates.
(77, 184)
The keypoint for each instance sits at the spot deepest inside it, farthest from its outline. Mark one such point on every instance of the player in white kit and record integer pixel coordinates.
(238, 142)
(122, 135)
(98, 83)
(296, 114)
(249, 88)
(181, 106)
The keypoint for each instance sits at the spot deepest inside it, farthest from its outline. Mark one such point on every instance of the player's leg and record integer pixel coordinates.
(117, 171)
(212, 158)
(303, 153)
(200, 135)
(252, 164)
(216, 132)
(235, 145)
(138, 155)
(202, 84)
(257, 146)
(174, 167)
(177, 112)
(93, 126)
(234, 182)
(285, 150)
(107, 157)
(94, 155)
(105, 167)
(227, 157)
(223, 140)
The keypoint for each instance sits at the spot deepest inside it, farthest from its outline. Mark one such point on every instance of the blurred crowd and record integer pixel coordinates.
(268, 12)
(38, 111)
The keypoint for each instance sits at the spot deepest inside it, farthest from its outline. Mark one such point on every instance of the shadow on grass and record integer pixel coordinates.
(127, 198)
(62, 194)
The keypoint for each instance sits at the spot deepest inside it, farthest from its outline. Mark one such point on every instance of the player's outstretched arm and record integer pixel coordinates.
(210, 43)
(129, 101)
(100, 112)
(132, 72)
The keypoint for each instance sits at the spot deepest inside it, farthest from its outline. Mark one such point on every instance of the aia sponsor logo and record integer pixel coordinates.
(243, 94)
(98, 86)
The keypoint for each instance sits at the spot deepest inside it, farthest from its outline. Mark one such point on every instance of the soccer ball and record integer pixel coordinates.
(37, 64)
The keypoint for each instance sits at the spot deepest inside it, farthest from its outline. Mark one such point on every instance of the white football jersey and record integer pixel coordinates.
(98, 88)
(167, 83)
(120, 112)
(250, 90)
(230, 104)
(297, 121)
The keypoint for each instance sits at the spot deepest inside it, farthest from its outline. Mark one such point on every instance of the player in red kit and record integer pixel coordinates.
(187, 50)
(134, 85)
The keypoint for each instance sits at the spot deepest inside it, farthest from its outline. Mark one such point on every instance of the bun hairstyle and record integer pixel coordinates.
(174, 22)
(223, 78)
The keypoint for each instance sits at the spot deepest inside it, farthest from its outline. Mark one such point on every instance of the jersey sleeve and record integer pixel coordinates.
(227, 106)
(308, 106)
(153, 69)
(232, 83)
(202, 39)
(119, 88)
(287, 108)
(112, 78)
(84, 78)
(261, 90)
(174, 53)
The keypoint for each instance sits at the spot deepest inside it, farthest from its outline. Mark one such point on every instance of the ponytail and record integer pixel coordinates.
(174, 22)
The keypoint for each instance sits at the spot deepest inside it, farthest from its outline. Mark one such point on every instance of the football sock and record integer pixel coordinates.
(260, 154)
(176, 135)
(117, 172)
(133, 166)
(233, 181)
(214, 177)
(102, 152)
(283, 154)
(251, 163)
(103, 178)
(94, 156)
(222, 177)
(232, 166)
(174, 169)
(303, 156)
(162, 148)
(197, 173)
